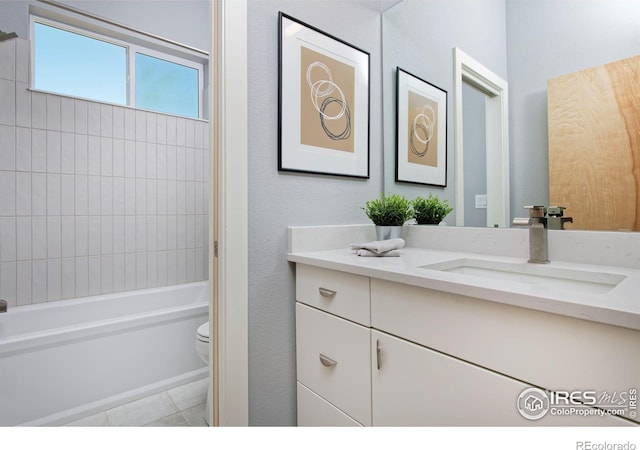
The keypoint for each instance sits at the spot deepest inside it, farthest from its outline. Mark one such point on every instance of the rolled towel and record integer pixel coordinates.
(380, 247)
(365, 252)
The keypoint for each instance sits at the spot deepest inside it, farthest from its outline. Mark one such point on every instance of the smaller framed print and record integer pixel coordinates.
(421, 131)
(323, 114)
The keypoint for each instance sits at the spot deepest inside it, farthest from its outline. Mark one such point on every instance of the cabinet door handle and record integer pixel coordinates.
(326, 361)
(378, 350)
(326, 292)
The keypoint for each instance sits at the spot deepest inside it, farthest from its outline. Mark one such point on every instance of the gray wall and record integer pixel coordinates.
(278, 200)
(548, 38)
(419, 36)
(475, 154)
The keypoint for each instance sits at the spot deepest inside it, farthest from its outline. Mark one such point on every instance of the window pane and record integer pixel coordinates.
(166, 87)
(73, 64)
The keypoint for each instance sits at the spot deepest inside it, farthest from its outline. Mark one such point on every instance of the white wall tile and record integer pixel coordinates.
(181, 132)
(95, 204)
(54, 237)
(130, 234)
(39, 150)
(161, 188)
(106, 235)
(67, 153)
(82, 235)
(161, 129)
(161, 162)
(38, 194)
(8, 58)
(106, 156)
(22, 60)
(181, 266)
(141, 234)
(190, 164)
(130, 271)
(38, 110)
(94, 235)
(172, 267)
(118, 196)
(7, 193)
(106, 196)
(152, 270)
(152, 233)
(118, 122)
(181, 231)
(23, 105)
(23, 238)
(190, 133)
(81, 195)
(8, 286)
(7, 147)
(54, 280)
(67, 195)
(172, 232)
(7, 239)
(200, 130)
(106, 120)
(151, 161)
(67, 114)
(39, 281)
(172, 192)
(141, 196)
(201, 266)
(199, 165)
(191, 231)
(81, 116)
(23, 193)
(93, 119)
(53, 194)
(141, 126)
(68, 278)
(94, 157)
(130, 196)
(54, 142)
(39, 237)
(162, 268)
(119, 274)
(172, 125)
(130, 157)
(68, 236)
(200, 230)
(53, 112)
(82, 276)
(23, 148)
(119, 234)
(181, 163)
(106, 272)
(181, 192)
(81, 154)
(118, 158)
(95, 275)
(23, 283)
(141, 270)
(190, 197)
(141, 160)
(130, 124)
(7, 102)
(171, 162)
(152, 127)
(152, 197)
(191, 265)
(161, 244)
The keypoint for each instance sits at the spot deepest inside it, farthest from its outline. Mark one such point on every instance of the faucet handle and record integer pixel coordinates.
(536, 211)
(556, 211)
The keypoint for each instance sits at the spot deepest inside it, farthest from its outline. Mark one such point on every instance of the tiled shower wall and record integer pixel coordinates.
(95, 198)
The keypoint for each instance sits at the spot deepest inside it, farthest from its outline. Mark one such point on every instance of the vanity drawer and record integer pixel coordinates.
(343, 294)
(314, 411)
(333, 360)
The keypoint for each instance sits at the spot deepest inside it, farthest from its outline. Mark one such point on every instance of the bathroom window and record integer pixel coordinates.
(79, 63)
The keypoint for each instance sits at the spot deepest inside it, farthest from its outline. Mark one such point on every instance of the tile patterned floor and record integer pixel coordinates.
(181, 406)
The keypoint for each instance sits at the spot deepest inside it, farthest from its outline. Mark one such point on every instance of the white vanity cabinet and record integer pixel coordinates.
(375, 352)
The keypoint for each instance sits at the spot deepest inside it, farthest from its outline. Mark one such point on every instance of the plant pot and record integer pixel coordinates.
(388, 232)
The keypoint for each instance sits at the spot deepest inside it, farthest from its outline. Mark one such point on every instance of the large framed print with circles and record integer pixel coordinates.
(421, 131)
(323, 109)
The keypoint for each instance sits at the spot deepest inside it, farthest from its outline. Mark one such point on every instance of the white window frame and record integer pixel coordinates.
(131, 40)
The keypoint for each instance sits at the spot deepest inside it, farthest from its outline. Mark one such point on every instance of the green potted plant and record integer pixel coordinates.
(430, 210)
(388, 213)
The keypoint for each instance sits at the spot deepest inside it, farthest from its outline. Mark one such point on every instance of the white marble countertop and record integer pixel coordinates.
(619, 306)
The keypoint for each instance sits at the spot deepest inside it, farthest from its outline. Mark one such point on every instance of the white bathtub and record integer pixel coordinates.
(64, 360)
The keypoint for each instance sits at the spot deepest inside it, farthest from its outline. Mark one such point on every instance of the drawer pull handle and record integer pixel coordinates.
(327, 362)
(326, 292)
(378, 350)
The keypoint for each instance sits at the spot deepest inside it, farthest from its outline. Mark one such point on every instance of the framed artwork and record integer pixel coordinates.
(421, 131)
(323, 114)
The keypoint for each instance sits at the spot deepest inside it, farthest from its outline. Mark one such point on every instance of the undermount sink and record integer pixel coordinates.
(532, 274)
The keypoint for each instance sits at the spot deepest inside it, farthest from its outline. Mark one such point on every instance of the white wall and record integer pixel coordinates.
(278, 200)
(546, 39)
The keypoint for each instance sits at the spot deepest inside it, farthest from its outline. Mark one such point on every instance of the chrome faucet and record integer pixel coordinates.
(3, 306)
(555, 219)
(538, 240)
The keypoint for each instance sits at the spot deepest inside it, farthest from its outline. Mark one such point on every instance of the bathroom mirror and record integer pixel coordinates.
(525, 42)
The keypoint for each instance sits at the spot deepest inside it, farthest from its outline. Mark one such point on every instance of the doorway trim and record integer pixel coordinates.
(497, 138)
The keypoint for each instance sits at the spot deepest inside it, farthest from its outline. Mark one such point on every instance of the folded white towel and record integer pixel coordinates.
(365, 252)
(380, 247)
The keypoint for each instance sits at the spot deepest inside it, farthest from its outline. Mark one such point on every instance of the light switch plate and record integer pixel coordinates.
(481, 201)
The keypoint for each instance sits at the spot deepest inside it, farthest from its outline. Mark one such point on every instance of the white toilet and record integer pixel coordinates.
(202, 347)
